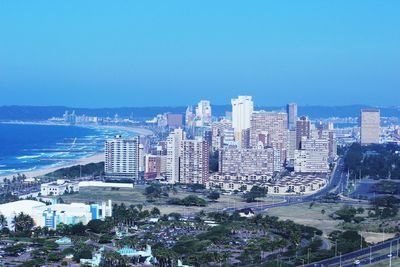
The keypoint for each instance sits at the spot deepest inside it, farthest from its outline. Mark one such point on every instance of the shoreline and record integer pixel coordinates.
(96, 158)
(137, 130)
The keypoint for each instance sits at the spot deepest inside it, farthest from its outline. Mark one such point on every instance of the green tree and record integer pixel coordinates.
(23, 223)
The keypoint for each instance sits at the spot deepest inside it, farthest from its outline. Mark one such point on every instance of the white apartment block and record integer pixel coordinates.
(247, 161)
(122, 158)
(193, 162)
(174, 141)
(287, 185)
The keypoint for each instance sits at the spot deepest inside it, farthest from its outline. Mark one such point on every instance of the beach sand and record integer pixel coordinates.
(85, 160)
(82, 161)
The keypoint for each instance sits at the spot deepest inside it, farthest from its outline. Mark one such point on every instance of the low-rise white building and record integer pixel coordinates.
(296, 184)
(58, 188)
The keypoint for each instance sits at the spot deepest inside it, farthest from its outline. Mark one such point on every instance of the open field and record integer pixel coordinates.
(135, 196)
(303, 214)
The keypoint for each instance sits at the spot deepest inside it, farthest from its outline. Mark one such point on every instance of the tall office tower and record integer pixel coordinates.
(194, 157)
(122, 158)
(291, 110)
(203, 113)
(242, 108)
(174, 141)
(247, 161)
(270, 129)
(303, 129)
(370, 126)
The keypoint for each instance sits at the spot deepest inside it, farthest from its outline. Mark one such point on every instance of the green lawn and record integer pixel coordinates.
(135, 196)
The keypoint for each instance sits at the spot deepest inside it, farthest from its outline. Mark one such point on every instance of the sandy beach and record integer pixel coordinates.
(81, 161)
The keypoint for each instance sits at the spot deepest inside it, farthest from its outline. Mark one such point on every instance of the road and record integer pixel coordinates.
(363, 255)
(337, 183)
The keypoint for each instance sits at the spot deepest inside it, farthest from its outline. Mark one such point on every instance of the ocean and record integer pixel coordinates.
(28, 147)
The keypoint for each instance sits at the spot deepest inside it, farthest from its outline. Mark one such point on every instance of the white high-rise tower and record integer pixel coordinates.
(122, 158)
(174, 141)
(203, 113)
(242, 108)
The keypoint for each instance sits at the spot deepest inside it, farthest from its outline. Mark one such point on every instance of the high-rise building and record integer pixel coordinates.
(174, 120)
(189, 116)
(291, 147)
(313, 156)
(194, 155)
(222, 134)
(203, 113)
(174, 141)
(370, 126)
(122, 158)
(291, 110)
(269, 129)
(303, 129)
(247, 161)
(242, 108)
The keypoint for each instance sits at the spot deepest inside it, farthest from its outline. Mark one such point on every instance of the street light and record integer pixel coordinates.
(340, 259)
(308, 255)
(370, 254)
(336, 248)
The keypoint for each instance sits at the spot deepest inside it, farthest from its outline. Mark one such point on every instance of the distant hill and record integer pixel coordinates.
(35, 113)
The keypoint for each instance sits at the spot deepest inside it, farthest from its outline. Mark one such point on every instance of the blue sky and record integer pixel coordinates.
(158, 53)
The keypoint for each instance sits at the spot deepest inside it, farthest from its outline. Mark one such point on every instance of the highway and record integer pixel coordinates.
(363, 255)
(336, 184)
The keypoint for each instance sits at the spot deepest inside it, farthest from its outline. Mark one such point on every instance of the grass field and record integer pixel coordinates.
(135, 196)
(303, 214)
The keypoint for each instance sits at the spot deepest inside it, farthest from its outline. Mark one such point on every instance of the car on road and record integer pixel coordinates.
(357, 262)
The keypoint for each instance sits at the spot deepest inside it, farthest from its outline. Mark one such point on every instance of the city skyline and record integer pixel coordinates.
(139, 54)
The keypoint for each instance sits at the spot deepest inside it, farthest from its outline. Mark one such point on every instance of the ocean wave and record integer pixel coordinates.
(30, 156)
(15, 171)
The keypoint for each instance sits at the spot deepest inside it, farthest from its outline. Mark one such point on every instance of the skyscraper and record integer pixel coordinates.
(203, 113)
(370, 126)
(242, 108)
(270, 129)
(193, 166)
(303, 129)
(122, 158)
(291, 110)
(174, 141)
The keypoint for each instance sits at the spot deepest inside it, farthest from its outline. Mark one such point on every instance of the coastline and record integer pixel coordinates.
(43, 171)
(79, 161)
(137, 130)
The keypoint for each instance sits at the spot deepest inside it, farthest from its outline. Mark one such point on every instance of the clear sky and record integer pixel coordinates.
(159, 53)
